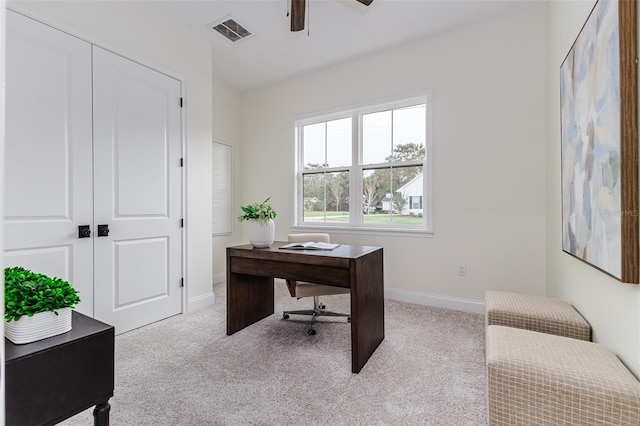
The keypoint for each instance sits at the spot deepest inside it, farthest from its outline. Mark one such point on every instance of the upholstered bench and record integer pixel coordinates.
(536, 313)
(541, 379)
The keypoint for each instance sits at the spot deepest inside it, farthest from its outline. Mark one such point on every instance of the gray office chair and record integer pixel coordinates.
(300, 289)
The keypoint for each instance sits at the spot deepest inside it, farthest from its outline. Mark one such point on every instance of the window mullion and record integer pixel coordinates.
(326, 160)
(324, 185)
(392, 132)
(299, 189)
(326, 170)
(396, 164)
(355, 212)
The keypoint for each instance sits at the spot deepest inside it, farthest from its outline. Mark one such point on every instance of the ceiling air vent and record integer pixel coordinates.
(229, 27)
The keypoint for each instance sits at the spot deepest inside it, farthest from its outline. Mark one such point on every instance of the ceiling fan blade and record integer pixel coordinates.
(297, 15)
(365, 2)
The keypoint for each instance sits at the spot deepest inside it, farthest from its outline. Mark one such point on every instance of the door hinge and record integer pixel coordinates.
(181, 162)
(181, 223)
(181, 282)
(181, 103)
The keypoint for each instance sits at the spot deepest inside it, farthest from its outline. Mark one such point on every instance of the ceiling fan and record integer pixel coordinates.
(297, 13)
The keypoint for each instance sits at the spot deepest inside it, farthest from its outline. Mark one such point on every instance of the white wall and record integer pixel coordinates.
(227, 114)
(489, 83)
(142, 33)
(612, 308)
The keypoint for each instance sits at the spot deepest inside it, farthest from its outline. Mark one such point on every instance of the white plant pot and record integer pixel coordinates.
(262, 233)
(38, 327)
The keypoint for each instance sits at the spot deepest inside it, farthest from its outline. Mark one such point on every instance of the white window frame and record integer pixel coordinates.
(356, 223)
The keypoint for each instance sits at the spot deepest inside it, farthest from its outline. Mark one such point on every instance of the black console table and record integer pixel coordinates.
(53, 379)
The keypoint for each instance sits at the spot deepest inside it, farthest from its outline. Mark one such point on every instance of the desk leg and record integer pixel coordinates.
(101, 414)
(367, 308)
(249, 299)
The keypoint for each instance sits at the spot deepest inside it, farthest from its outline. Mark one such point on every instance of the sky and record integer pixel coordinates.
(330, 142)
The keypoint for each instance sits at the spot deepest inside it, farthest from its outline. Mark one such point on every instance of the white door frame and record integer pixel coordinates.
(2, 89)
(62, 26)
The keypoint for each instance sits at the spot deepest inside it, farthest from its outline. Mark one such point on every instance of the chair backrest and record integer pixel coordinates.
(303, 238)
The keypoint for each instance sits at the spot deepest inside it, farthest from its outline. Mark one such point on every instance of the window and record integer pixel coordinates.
(365, 167)
(415, 202)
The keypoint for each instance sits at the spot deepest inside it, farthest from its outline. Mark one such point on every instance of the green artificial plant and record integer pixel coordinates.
(27, 293)
(260, 211)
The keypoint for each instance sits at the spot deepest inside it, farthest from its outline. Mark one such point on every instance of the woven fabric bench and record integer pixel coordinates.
(541, 379)
(536, 313)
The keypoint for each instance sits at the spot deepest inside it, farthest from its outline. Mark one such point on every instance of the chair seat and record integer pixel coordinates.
(304, 289)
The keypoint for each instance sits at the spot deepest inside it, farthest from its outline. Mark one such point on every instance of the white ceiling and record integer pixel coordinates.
(339, 30)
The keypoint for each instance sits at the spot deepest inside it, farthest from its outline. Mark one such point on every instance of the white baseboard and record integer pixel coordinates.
(458, 304)
(201, 301)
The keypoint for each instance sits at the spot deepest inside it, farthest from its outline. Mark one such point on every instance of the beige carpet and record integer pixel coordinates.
(429, 370)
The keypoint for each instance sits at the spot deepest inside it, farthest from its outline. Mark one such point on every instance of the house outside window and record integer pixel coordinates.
(365, 167)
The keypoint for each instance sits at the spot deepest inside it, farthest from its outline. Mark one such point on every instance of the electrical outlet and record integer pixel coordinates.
(462, 270)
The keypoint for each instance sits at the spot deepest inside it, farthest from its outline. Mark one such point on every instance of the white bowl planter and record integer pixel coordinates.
(39, 326)
(262, 233)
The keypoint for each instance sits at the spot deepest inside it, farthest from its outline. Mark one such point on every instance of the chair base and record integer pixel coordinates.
(317, 311)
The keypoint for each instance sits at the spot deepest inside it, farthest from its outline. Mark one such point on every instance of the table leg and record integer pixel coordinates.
(249, 299)
(101, 414)
(367, 308)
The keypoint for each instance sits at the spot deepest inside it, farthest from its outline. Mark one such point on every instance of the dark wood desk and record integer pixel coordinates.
(53, 379)
(250, 294)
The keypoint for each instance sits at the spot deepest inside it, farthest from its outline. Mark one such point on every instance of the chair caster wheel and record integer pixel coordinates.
(311, 332)
(322, 306)
(285, 316)
(348, 319)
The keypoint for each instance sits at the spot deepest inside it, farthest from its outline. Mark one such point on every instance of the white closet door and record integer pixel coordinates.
(137, 192)
(48, 182)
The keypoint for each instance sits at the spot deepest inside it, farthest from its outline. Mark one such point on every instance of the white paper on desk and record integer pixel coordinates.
(310, 246)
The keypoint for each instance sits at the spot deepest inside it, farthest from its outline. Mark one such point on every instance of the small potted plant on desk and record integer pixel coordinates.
(36, 306)
(262, 228)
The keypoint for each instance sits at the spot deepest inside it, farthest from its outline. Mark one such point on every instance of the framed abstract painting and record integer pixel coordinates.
(598, 102)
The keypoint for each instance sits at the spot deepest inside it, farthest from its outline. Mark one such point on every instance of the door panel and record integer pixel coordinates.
(141, 145)
(138, 192)
(48, 181)
(52, 261)
(130, 277)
